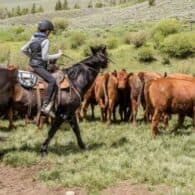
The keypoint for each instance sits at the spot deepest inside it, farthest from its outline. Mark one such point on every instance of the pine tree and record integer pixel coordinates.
(33, 9)
(65, 5)
(58, 5)
(90, 5)
(40, 9)
(18, 11)
(76, 6)
(13, 12)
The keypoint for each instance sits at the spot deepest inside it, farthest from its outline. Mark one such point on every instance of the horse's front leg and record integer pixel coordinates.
(74, 124)
(55, 126)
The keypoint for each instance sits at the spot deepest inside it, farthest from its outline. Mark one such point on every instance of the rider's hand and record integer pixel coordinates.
(60, 52)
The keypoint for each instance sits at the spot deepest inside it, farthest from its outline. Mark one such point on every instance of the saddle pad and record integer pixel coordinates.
(27, 79)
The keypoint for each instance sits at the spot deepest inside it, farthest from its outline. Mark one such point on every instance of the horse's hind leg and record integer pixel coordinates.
(74, 124)
(55, 126)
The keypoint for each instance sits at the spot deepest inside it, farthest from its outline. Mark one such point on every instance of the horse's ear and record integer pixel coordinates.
(93, 50)
(104, 49)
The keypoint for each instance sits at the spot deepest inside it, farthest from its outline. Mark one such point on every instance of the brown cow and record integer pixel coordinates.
(170, 96)
(101, 93)
(112, 88)
(89, 99)
(123, 94)
(176, 76)
(137, 81)
(179, 76)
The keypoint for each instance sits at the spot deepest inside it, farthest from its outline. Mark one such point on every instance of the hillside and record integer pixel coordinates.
(110, 16)
(50, 3)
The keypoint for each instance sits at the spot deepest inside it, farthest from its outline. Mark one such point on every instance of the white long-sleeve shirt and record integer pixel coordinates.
(45, 48)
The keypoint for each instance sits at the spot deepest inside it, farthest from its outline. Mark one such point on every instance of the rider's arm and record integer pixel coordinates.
(25, 49)
(45, 55)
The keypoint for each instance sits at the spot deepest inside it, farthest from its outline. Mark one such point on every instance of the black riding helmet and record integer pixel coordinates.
(45, 25)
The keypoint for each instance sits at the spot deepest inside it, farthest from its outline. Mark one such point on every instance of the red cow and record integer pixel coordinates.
(171, 96)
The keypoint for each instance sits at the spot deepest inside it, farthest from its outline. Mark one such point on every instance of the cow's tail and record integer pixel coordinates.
(149, 108)
(141, 77)
(105, 90)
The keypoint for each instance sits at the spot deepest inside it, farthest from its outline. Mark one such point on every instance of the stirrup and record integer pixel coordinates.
(47, 109)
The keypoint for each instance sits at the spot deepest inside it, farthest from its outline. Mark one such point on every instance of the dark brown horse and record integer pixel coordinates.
(81, 76)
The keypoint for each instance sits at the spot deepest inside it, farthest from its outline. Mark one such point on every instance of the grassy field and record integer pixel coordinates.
(119, 152)
(114, 153)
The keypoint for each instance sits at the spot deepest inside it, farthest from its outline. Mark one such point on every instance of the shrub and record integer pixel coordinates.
(158, 39)
(4, 54)
(128, 38)
(165, 60)
(60, 23)
(17, 59)
(138, 38)
(145, 54)
(112, 43)
(180, 45)
(167, 27)
(76, 6)
(87, 51)
(18, 29)
(151, 2)
(77, 39)
(99, 4)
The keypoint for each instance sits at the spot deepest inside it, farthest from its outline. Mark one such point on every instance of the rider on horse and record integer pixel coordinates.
(37, 50)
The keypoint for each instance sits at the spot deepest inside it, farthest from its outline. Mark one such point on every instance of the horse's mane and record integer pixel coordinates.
(74, 70)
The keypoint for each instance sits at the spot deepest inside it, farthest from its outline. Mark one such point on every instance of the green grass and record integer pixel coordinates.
(114, 153)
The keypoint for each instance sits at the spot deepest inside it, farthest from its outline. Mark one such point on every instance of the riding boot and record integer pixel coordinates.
(47, 108)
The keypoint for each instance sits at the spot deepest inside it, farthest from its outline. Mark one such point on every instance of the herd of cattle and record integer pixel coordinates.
(159, 95)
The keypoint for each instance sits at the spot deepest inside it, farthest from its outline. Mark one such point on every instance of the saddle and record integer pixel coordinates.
(30, 80)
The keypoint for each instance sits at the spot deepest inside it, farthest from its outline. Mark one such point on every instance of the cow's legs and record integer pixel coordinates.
(84, 108)
(41, 122)
(74, 124)
(10, 118)
(55, 126)
(121, 112)
(134, 111)
(110, 111)
(166, 120)
(92, 111)
(180, 121)
(194, 116)
(114, 113)
(155, 122)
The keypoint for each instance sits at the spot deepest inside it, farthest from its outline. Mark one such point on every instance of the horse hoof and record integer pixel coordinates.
(82, 146)
(43, 153)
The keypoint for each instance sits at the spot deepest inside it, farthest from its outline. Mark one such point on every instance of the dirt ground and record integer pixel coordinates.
(19, 181)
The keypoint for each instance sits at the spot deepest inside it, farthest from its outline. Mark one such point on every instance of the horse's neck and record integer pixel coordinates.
(91, 76)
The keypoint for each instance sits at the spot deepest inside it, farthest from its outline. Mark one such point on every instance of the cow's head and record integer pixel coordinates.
(122, 77)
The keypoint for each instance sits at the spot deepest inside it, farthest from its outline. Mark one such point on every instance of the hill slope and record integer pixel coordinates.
(91, 18)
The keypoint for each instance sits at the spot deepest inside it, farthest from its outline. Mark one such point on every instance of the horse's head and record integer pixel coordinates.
(101, 55)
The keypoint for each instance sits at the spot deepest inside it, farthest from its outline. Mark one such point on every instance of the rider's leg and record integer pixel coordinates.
(43, 73)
